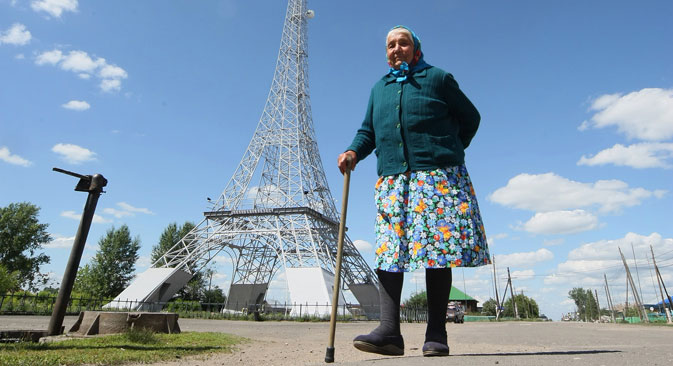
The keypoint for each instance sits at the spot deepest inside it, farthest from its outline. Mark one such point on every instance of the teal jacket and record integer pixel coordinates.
(423, 123)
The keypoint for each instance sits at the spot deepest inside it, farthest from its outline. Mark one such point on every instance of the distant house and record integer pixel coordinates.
(468, 302)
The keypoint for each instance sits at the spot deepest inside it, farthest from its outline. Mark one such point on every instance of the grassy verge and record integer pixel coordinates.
(139, 347)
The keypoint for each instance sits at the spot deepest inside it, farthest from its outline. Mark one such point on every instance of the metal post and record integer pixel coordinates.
(609, 297)
(660, 281)
(509, 279)
(639, 304)
(94, 185)
(495, 285)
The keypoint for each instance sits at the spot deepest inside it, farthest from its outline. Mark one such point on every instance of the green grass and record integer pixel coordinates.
(137, 346)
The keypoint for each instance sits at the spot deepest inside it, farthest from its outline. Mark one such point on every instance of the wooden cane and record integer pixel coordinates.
(329, 354)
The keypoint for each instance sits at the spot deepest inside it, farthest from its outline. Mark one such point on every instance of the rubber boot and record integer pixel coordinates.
(438, 285)
(386, 339)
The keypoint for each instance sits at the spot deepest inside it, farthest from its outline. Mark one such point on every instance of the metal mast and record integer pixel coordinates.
(287, 219)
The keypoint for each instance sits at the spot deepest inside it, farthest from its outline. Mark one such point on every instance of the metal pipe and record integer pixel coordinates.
(94, 185)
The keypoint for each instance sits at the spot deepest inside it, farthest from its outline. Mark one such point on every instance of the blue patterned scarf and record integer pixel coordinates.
(417, 64)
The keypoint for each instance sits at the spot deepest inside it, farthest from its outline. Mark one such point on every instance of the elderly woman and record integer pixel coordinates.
(419, 122)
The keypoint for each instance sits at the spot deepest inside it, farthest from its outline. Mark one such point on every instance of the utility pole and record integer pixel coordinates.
(626, 306)
(662, 306)
(495, 285)
(607, 292)
(636, 297)
(509, 280)
(664, 285)
(660, 281)
(504, 294)
(635, 263)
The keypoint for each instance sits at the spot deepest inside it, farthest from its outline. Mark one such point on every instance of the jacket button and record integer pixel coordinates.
(397, 106)
(400, 144)
(398, 125)
(399, 92)
(404, 163)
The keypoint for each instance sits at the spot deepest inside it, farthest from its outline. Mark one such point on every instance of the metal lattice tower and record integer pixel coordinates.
(288, 219)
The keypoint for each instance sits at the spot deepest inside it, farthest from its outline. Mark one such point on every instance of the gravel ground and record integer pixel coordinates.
(507, 343)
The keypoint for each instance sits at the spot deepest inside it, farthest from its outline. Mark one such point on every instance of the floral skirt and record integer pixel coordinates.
(428, 219)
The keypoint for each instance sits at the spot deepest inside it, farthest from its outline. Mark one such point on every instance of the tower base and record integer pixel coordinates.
(311, 292)
(150, 290)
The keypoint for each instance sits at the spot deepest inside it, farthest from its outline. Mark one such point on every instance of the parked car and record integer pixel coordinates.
(455, 313)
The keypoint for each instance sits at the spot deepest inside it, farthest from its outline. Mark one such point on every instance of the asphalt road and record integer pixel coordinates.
(505, 343)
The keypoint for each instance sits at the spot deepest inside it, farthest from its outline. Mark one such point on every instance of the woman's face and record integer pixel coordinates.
(399, 48)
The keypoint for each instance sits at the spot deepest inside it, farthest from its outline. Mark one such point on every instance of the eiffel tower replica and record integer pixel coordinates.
(287, 221)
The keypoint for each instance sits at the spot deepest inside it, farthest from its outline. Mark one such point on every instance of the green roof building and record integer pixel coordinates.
(469, 303)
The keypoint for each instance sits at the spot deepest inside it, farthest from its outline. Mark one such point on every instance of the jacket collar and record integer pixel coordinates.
(418, 74)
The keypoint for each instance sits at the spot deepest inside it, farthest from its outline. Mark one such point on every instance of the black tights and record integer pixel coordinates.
(438, 285)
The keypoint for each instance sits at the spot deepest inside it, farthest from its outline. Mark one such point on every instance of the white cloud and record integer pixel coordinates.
(112, 72)
(76, 105)
(75, 216)
(50, 57)
(524, 259)
(550, 192)
(17, 35)
(74, 154)
(117, 213)
(555, 279)
(588, 264)
(581, 266)
(7, 157)
(222, 259)
(60, 241)
(20, 56)
(362, 245)
(126, 210)
(568, 302)
(639, 156)
(84, 65)
(552, 242)
(561, 222)
(54, 7)
(125, 206)
(608, 249)
(110, 85)
(80, 61)
(492, 239)
(646, 114)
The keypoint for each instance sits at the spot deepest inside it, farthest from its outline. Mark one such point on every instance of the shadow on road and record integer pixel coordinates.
(549, 353)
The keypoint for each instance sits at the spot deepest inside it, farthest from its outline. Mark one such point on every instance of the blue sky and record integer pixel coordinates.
(572, 160)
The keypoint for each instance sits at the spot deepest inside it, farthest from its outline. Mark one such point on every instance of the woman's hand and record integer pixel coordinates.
(346, 160)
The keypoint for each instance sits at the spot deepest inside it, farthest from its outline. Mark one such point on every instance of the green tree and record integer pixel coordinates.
(21, 237)
(489, 307)
(418, 300)
(111, 269)
(585, 303)
(171, 235)
(196, 287)
(9, 281)
(526, 306)
(214, 296)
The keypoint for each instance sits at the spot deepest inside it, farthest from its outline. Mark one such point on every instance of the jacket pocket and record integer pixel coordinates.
(444, 149)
